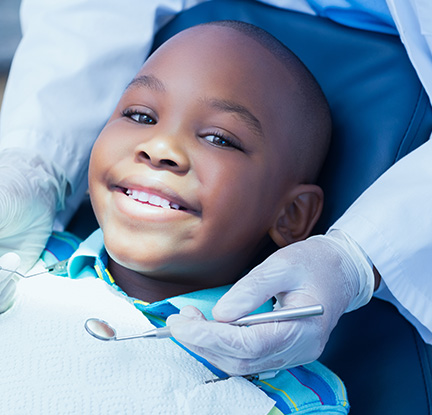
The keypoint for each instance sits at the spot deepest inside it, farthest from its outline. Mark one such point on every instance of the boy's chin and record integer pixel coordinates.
(172, 273)
(151, 266)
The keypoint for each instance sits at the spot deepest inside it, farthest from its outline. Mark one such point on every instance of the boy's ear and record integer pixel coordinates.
(300, 212)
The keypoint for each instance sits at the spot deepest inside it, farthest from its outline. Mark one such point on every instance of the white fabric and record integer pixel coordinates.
(397, 234)
(414, 22)
(51, 365)
(105, 47)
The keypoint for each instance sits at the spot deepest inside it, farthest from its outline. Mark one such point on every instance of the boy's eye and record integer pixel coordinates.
(220, 140)
(140, 117)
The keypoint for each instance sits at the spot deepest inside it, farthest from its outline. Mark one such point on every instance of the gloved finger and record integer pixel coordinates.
(250, 292)
(276, 274)
(9, 263)
(7, 295)
(253, 342)
(243, 350)
(228, 340)
(186, 315)
(192, 312)
(239, 342)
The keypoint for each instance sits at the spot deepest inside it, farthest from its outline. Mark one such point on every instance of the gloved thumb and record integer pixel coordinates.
(10, 261)
(251, 291)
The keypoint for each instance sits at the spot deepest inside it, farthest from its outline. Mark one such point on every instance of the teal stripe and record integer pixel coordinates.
(60, 246)
(315, 383)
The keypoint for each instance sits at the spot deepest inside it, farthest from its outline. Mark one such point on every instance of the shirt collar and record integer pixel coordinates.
(92, 252)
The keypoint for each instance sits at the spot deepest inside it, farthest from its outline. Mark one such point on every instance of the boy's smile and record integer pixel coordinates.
(143, 198)
(186, 177)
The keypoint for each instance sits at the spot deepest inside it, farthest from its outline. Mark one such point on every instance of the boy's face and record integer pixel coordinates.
(186, 177)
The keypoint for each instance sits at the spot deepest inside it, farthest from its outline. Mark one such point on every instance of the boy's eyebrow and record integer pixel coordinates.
(147, 81)
(233, 107)
(151, 82)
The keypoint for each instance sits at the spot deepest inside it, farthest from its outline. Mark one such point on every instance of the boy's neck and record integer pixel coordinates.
(146, 288)
(153, 288)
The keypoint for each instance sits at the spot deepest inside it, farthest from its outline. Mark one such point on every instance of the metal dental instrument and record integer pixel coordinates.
(59, 268)
(103, 331)
(255, 376)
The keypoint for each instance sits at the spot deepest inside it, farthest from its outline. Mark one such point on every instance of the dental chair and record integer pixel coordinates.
(380, 113)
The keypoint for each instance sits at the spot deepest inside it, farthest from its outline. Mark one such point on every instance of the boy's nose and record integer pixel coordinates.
(163, 154)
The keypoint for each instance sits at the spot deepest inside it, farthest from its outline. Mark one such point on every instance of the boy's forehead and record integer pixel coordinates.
(224, 55)
(218, 43)
(209, 36)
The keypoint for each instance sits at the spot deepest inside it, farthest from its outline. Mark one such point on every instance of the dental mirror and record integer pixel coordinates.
(101, 330)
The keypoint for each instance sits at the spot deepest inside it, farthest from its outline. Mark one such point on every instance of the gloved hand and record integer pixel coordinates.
(9, 262)
(31, 191)
(330, 270)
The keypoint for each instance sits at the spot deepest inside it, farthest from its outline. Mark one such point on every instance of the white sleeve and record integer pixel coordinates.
(74, 61)
(392, 222)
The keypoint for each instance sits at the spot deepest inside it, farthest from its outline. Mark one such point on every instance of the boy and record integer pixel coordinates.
(206, 165)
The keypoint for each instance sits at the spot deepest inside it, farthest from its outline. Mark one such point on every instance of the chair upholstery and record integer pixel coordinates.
(380, 113)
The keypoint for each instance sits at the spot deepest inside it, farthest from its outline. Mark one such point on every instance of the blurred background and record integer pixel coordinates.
(10, 34)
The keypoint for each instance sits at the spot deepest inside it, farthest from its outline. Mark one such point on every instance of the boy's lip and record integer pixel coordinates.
(139, 187)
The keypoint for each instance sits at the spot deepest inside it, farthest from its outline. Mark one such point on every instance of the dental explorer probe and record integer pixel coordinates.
(101, 330)
(59, 268)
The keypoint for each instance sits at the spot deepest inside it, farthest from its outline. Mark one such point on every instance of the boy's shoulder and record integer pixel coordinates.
(60, 246)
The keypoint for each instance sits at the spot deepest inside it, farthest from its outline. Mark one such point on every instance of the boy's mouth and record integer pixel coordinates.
(152, 199)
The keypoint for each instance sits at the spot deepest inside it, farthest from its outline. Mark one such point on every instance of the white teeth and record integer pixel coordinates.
(142, 196)
(155, 200)
(165, 204)
(152, 199)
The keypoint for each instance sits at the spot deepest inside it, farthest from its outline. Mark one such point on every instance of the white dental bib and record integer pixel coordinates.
(51, 365)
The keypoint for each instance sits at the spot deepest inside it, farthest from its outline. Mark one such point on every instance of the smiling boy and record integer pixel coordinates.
(208, 161)
(206, 166)
(212, 149)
